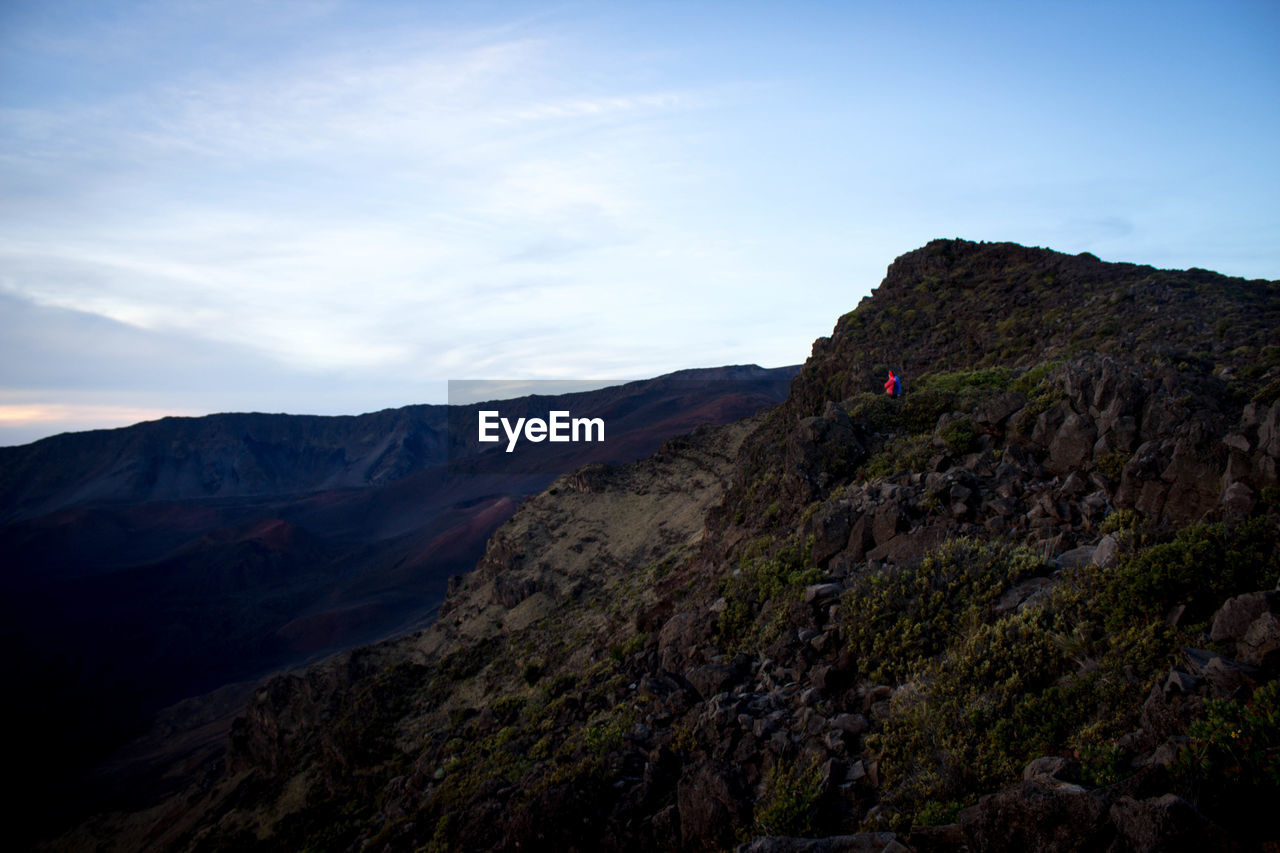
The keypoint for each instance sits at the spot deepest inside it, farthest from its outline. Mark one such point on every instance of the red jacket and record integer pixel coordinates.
(890, 383)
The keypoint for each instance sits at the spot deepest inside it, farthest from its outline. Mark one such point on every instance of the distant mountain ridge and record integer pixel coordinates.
(222, 455)
(238, 455)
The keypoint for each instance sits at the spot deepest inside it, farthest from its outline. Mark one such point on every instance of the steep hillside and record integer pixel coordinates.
(1031, 604)
(148, 565)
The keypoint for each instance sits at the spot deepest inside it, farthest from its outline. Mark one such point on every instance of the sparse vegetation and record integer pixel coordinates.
(990, 696)
(910, 453)
(789, 806)
(899, 618)
(1233, 753)
(762, 594)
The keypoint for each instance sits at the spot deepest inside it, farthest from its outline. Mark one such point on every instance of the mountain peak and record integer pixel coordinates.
(957, 303)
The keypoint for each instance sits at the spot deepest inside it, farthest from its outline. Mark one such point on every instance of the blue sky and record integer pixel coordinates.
(335, 207)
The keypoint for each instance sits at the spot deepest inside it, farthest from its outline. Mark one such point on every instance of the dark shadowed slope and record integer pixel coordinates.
(149, 564)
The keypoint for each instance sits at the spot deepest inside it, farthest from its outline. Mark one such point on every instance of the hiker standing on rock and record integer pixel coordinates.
(893, 385)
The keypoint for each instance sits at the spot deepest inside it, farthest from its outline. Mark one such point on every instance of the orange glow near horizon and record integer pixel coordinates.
(87, 416)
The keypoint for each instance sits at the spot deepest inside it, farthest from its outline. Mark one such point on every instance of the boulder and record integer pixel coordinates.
(830, 679)
(1074, 558)
(911, 546)
(830, 528)
(1167, 823)
(1035, 815)
(936, 839)
(1194, 475)
(1260, 645)
(1239, 498)
(1027, 593)
(1048, 422)
(851, 724)
(677, 638)
(1236, 441)
(820, 449)
(1169, 712)
(822, 594)
(861, 538)
(1269, 431)
(885, 525)
(861, 842)
(709, 809)
(1073, 487)
(1229, 678)
(1106, 552)
(1072, 445)
(1051, 768)
(712, 678)
(1236, 615)
(992, 413)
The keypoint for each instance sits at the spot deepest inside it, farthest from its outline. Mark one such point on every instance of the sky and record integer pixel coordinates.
(326, 207)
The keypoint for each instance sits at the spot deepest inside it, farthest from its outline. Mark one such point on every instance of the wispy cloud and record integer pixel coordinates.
(303, 209)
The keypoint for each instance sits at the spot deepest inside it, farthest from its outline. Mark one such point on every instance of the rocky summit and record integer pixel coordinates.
(1029, 604)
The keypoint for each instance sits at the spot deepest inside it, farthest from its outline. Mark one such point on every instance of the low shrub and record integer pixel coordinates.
(909, 453)
(992, 378)
(898, 618)
(960, 436)
(791, 800)
(1068, 676)
(1204, 564)
(1233, 753)
(774, 583)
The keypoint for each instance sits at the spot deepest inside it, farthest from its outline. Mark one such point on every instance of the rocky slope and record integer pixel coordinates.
(148, 565)
(1032, 604)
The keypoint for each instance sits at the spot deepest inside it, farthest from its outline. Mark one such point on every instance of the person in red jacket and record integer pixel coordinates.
(892, 385)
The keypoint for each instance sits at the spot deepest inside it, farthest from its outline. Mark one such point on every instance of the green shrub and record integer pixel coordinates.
(939, 813)
(993, 378)
(1102, 762)
(532, 674)
(1269, 497)
(1204, 564)
(960, 436)
(1231, 763)
(1112, 465)
(1069, 676)
(909, 453)
(1032, 379)
(960, 729)
(775, 581)
(877, 412)
(789, 805)
(1122, 523)
(921, 409)
(898, 618)
(1268, 394)
(561, 684)
(508, 708)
